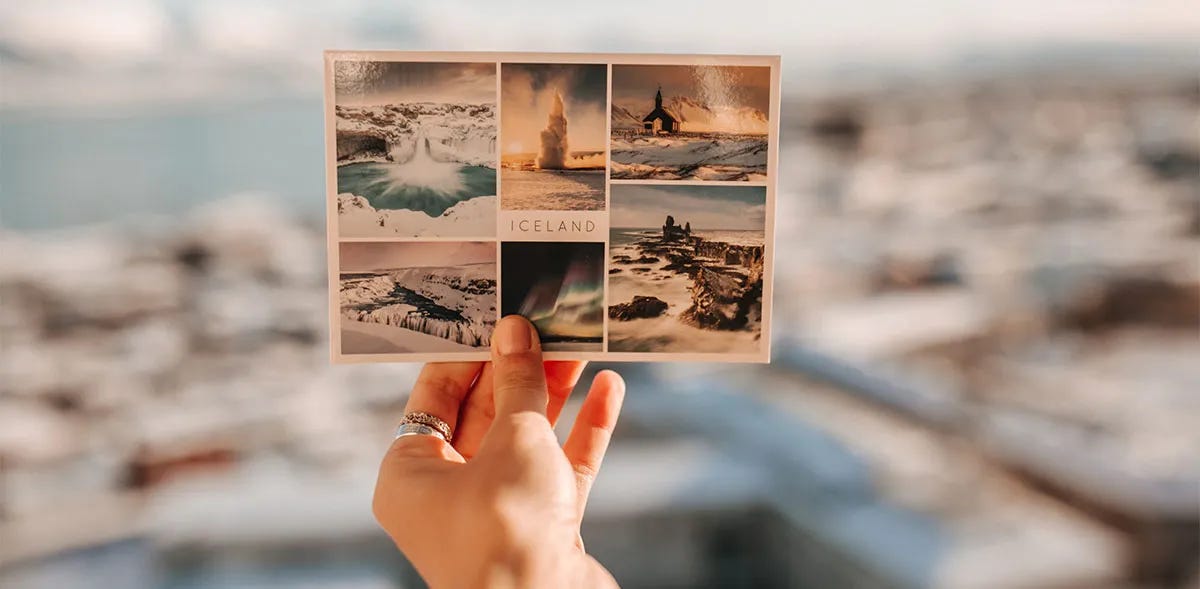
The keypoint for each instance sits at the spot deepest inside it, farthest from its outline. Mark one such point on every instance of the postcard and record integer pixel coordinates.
(623, 203)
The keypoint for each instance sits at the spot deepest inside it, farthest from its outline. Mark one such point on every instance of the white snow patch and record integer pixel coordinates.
(475, 217)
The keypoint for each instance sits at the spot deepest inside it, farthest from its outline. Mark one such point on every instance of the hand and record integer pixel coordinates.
(502, 505)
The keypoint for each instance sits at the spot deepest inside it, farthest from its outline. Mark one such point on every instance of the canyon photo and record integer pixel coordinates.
(416, 297)
(554, 129)
(415, 148)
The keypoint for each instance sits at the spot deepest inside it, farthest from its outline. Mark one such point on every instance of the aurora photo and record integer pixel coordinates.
(559, 286)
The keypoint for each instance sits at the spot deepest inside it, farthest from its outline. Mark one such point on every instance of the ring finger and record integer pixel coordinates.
(441, 388)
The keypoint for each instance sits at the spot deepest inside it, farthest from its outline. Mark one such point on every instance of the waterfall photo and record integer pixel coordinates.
(690, 122)
(416, 297)
(553, 123)
(559, 286)
(686, 268)
(415, 148)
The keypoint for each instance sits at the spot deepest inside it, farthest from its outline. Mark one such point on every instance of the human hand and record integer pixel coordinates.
(502, 505)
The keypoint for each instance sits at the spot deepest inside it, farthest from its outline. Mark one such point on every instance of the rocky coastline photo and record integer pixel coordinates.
(684, 286)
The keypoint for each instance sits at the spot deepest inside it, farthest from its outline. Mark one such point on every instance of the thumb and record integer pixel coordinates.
(520, 380)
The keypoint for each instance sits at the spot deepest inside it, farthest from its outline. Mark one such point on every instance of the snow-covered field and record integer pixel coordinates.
(470, 218)
(360, 337)
(696, 156)
(552, 190)
(454, 304)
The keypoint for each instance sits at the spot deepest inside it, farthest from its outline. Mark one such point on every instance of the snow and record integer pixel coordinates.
(468, 290)
(703, 156)
(360, 337)
(474, 217)
(463, 133)
(624, 119)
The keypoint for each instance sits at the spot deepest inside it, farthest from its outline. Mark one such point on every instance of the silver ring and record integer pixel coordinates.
(417, 429)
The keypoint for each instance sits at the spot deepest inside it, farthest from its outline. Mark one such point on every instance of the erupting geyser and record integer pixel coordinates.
(553, 155)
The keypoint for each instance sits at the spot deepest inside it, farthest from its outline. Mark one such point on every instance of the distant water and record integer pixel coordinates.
(731, 236)
(628, 235)
(62, 170)
(386, 186)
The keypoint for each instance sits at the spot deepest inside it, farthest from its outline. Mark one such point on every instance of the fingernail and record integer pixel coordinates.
(513, 336)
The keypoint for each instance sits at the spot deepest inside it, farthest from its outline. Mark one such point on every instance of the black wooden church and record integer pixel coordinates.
(659, 120)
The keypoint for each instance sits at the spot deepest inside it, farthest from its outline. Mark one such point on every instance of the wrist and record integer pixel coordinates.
(536, 569)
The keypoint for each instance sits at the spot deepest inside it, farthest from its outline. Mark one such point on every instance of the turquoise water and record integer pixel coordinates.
(385, 186)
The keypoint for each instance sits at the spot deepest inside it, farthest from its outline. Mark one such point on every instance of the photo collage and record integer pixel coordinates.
(623, 204)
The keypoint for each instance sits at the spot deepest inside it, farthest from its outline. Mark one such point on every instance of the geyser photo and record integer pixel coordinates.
(416, 297)
(554, 125)
(686, 268)
(690, 122)
(416, 149)
(559, 286)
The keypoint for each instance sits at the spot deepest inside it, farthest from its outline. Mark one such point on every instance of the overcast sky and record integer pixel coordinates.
(368, 257)
(713, 85)
(705, 207)
(371, 83)
(67, 53)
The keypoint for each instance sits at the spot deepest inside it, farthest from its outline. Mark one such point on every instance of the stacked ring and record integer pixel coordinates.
(427, 422)
(416, 429)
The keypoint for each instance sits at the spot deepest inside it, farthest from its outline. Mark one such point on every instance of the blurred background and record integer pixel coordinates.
(986, 370)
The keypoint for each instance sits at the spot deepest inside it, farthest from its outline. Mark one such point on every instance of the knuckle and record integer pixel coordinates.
(441, 388)
(525, 432)
(586, 471)
(520, 382)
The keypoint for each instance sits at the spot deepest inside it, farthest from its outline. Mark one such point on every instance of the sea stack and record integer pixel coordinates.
(673, 232)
